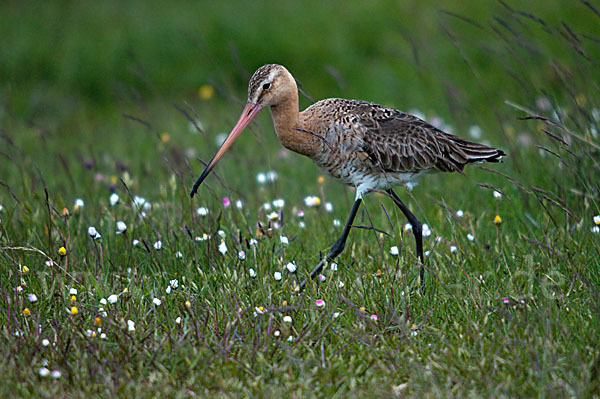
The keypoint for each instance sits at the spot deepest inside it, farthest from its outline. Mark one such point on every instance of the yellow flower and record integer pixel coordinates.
(498, 219)
(74, 310)
(206, 92)
(284, 303)
(188, 304)
(62, 251)
(97, 321)
(26, 312)
(321, 179)
(362, 308)
(25, 269)
(73, 298)
(65, 211)
(379, 272)
(165, 137)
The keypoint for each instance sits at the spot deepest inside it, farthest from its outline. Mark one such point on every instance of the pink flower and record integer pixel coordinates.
(226, 202)
(374, 317)
(505, 300)
(320, 303)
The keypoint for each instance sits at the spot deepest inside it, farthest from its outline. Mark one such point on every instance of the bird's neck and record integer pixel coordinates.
(288, 127)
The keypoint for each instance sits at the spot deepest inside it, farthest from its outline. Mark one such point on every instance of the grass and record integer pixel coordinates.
(513, 312)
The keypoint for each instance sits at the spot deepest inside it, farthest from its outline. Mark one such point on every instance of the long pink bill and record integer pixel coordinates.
(248, 114)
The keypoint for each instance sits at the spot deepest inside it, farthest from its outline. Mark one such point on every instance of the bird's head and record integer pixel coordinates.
(270, 85)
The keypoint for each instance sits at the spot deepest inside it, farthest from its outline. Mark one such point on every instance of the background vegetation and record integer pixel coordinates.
(103, 98)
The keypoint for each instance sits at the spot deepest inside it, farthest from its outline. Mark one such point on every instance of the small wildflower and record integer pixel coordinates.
(252, 273)
(113, 298)
(62, 251)
(45, 342)
(156, 301)
(266, 206)
(26, 311)
(273, 216)
(32, 298)
(279, 203)
(25, 269)
(226, 202)
(341, 284)
(130, 325)
(259, 310)
(202, 211)
(321, 278)
(277, 333)
(74, 310)
(78, 204)
(73, 298)
(300, 213)
(55, 374)
(470, 237)
(44, 372)
(158, 245)
(337, 223)
(49, 262)
(321, 179)
(165, 137)
(394, 251)
(291, 338)
(241, 255)
(595, 229)
(597, 220)
(221, 233)
(92, 232)
(497, 195)
(287, 319)
(188, 304)
(223, 247)
(97, 321)
(291, 267)
(374, 317)
(102, 336)
(178, 320)
(498, 220)
(114, 199)
(505, 300)
(239, 204)
(301, 224)
(19, 288)
(168, 289)
(121, 227)
(135, 242)
(73, 291)
(460, 213)
(453, 248)
(378, 273)
(336, 315)
(329, 207)
(206, 92)
(320, 303)
(284, 240)
(362, 308)
(312, 201)
(277, 276)
(174, 283)
(426, 230)
(179, 254)
(261, 178)
(333, 266)
(103, 301)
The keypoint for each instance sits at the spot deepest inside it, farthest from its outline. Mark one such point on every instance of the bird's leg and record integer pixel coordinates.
(338, 247)
(417, 229)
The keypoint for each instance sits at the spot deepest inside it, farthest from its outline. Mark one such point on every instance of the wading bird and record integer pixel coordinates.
(365, 145)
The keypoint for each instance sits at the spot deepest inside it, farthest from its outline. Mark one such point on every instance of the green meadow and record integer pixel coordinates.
(115, 283)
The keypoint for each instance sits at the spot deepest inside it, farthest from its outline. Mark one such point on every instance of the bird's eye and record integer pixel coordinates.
(266, 86)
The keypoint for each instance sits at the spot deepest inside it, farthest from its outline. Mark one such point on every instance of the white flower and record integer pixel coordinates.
(221, 233)
(427, 253)
(121, 227)
(291, 338)
(239, 204)
(202, 211)
(394, 250)
(470, 237)
(138, 202)
(261, 178)
(102, 336)
(45, 342)
(273, 215)
(79, 203)
(291, 267)
(103, 301)
(453, 249)
(279, 203)
(204, 237)
(460, 213)
(158, 245)
(284, 240)
(336, 315)
(497, 195)
(92, 232)
(44, 372)
(301, 224)
(407, 227)
(32, 297)
(596, 229)
(312, 201)
(55, 374)
(329, 207)
(174, 283)
(223, 247)
(73, 291)
(253, 241)
(178, 320)
(252, 273)
(277, 333)
(597, 220)
(277, 276)
(271, 175)
(113, 298)
(157, 301)
(130, 325)
(242, 255)
(333, 266)
(114, 199)
(287, 319)
(266, 206)
(1, 207)
(426, 230)
(179, 254)
(168, 289)
(337, 223)
(135, 242)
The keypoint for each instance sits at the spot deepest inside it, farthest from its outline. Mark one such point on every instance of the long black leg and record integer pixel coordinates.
(338, 247)
(417, 229)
